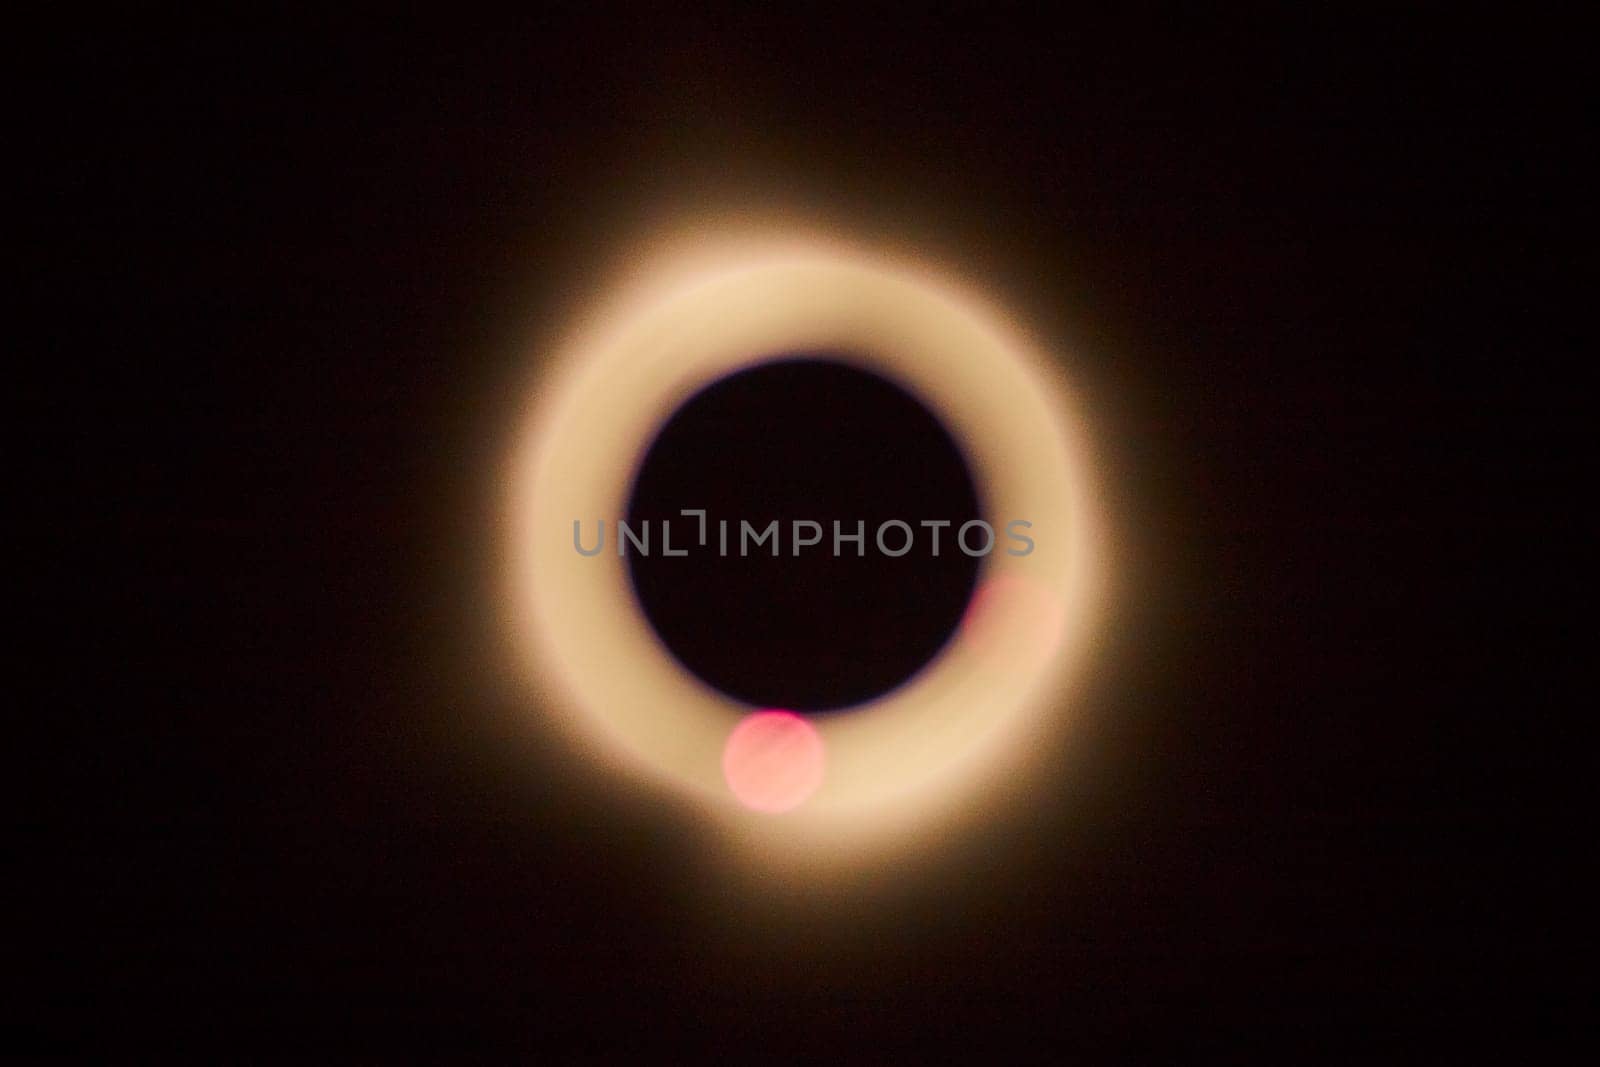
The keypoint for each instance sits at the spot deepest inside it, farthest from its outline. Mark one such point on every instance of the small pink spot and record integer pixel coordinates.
(773, 761)
(1010, 614)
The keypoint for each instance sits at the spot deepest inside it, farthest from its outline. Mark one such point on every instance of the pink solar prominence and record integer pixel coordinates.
(773, 761)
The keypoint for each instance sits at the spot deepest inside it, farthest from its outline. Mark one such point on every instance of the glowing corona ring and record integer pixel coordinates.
(625, 370)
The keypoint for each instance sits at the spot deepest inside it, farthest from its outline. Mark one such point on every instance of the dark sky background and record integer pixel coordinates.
(1314, 274)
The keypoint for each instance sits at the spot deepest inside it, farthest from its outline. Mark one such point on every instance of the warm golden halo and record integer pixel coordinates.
(622, 373)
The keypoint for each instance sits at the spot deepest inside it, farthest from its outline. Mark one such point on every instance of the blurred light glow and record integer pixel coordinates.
(773, 761)
(695, 307)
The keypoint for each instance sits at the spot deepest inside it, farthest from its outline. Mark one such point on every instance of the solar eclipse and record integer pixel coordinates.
(799, 377)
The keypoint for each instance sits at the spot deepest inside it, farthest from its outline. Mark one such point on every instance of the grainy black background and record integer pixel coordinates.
(1315, 273)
